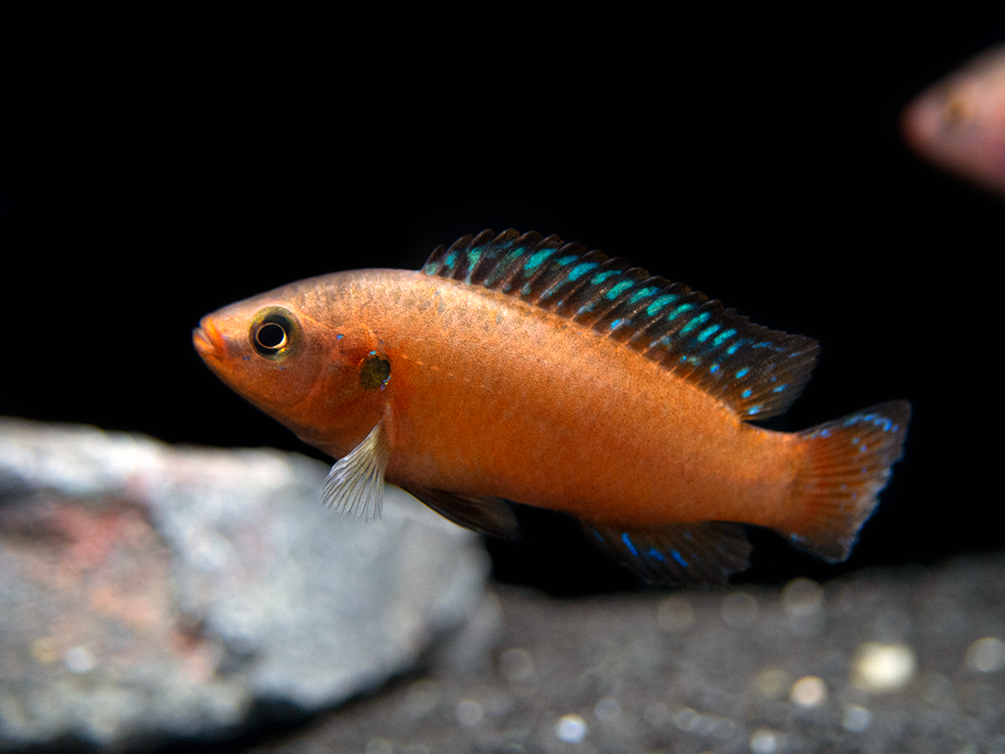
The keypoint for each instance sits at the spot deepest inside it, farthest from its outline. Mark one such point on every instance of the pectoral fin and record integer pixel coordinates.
(355, 485)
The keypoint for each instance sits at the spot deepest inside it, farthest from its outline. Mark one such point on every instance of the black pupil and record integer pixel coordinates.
(271, 335)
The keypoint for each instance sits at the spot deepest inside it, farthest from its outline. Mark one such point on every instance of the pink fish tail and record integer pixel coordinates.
(847, 465)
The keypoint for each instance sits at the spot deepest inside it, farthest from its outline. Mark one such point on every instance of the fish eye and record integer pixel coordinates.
(274, 333)
(271, 336)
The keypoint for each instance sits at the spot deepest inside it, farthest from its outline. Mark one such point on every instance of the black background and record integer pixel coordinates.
(162, 162)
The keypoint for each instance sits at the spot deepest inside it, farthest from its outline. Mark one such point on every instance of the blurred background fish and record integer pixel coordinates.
(959, 122)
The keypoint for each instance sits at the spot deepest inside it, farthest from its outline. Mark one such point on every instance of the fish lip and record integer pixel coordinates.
(207, 339)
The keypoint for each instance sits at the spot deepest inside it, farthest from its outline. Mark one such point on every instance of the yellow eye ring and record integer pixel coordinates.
(275, 333)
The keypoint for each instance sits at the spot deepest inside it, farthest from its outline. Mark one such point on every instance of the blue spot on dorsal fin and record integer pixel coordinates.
(721, 352)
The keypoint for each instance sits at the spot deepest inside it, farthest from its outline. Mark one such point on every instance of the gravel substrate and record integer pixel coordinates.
(905, 660)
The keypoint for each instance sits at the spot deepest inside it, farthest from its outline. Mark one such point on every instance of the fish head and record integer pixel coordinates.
(281, 352)
(959, 122)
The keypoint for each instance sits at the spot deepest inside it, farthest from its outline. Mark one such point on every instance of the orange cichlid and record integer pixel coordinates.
(520, 368)
(959, 123)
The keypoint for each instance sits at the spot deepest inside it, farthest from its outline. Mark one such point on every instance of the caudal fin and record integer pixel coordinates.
(847, 465)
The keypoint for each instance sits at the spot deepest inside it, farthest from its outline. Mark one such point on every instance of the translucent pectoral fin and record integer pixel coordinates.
(355, 485)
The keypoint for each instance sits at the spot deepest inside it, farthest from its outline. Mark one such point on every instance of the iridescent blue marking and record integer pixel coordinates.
(473, 256)
(779, 389)
(430, 268)
(562, 261)
(714, 368)
(581, 269)
(762, 344)
(659, 304)
(707, 333)
(616, 324)
(510, 259)
(677, 556)
(618, 289)
(747, 393)
(450, 259)
(628, 543)
(339, 336)
(723, 337)
(536, 259)
(654, 553)
(642, 293)
(742, 373)
(600, 277)
(736, 346)
(699, 320)
(755, 409)
(678, 311)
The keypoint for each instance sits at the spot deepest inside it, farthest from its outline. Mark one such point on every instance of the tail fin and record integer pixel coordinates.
(847, 465)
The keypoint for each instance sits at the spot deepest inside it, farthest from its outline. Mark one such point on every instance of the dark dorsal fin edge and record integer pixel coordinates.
(756, 371)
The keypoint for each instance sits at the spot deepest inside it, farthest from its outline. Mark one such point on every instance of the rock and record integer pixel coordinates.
(150, 592)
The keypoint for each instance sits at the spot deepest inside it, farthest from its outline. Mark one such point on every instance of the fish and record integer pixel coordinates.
(516, 368)
(959, 122)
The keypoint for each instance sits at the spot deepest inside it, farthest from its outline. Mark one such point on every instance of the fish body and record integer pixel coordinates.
(959, 123)
(516, 368)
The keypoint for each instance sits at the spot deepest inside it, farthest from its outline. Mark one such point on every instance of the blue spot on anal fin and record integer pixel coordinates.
(693, 553)
(626, 540)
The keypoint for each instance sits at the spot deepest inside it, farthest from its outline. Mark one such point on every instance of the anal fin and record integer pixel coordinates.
(704, 552)
(482, 514)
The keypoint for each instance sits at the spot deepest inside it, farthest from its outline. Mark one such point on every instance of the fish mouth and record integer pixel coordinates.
(207, 339)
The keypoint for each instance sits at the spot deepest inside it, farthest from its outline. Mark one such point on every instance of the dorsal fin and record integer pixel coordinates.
(756, 371)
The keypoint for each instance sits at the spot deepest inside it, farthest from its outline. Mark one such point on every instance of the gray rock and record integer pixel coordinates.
(150, 591)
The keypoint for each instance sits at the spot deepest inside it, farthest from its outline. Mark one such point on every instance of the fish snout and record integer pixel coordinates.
(207, 339)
